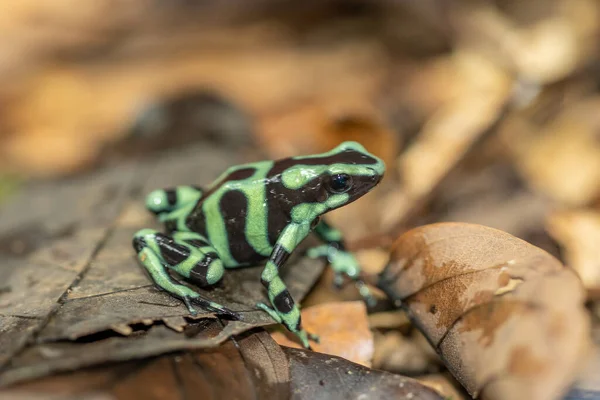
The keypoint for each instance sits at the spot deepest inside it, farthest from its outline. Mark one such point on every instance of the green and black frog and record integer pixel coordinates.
(255, 212)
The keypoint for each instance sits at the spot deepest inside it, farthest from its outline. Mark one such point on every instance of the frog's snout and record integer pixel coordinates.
(376, 176)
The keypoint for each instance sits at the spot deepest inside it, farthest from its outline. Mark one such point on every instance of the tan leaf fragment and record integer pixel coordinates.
(506, 317)
(343, 330)
(403, 355)
(560, 159)
(444, 385)
(578, 232)
(449, 133)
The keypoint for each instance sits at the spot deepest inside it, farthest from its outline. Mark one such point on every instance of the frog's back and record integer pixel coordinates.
(232, 214)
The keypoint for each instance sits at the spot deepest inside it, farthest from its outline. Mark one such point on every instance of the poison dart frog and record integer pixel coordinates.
(255, 212)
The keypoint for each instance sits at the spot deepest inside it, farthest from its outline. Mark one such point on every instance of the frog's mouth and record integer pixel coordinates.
(363, 184)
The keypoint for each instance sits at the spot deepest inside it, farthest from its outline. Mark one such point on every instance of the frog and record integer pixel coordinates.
(252, 213)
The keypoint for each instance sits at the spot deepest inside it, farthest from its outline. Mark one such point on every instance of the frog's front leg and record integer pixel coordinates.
(284, 309)
(342, 262)
(189, 255)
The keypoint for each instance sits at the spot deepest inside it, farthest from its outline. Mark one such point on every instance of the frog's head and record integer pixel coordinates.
(337, 177)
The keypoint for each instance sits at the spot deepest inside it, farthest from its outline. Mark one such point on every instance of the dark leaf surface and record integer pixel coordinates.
(322, 376)
(69, 271)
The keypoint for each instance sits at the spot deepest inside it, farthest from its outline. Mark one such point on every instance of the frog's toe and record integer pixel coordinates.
(338, 280)
(215, 308)
(225, 312)
(314, 338)
(188, 303)
(370, 300)
(305, 337)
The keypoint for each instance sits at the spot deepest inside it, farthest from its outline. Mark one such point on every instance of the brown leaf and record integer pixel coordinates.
(343, 329)
(557, 151)
(403, 355)
(578, 232)
(448, 134)
(248, 368)
(445, 385)
(320, 376)
(506, 317)
(542, 41)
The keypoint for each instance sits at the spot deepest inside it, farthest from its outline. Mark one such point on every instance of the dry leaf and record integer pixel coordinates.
(506, 317)
(444, 385)
(448, 134)
(487, 191)
(560, 158)
(578, 232)
(543, 41)
(403, 355)
(342, 327)
(250, 368)
(321, 376)
(389, 320)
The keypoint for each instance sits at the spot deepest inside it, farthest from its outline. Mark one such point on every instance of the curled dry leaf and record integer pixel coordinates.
(561, 158)
(343, 330)
(506, 317)
(579, 234)
(542, 41)
(448, 134)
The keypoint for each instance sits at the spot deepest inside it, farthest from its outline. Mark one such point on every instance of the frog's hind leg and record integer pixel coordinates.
(166, 200)
(189, 255)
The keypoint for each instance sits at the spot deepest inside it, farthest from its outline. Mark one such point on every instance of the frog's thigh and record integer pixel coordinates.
(202, 264)
(157, 252)
(144, 244)
(188, 254)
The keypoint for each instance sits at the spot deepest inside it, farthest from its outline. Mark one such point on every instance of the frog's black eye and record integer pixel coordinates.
(340, 183)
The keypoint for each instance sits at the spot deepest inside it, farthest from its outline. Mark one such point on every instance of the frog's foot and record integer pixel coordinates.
(338, 280)
(146, 241)
(344, 264)
(365, 292)
(305, 336)
(272, 313)
(300, 333)
(318, 251)
(209, 306)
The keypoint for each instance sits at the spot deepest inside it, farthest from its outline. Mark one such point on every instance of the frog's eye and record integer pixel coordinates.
(340, 183)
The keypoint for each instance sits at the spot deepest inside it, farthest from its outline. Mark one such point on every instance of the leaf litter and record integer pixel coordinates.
(98, 288)
(505, 316)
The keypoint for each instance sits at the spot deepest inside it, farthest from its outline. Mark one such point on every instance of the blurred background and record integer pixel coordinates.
(484, 111)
